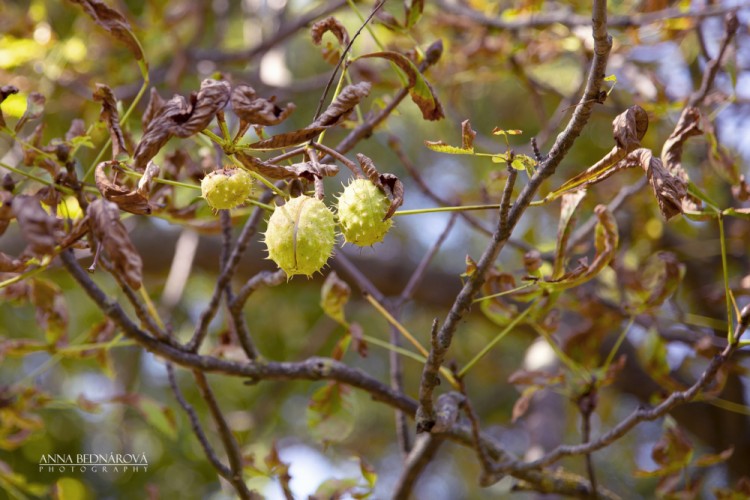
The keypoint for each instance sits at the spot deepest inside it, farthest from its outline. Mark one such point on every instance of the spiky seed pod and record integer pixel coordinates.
(361, 208)
(226, 188)
(300, 236)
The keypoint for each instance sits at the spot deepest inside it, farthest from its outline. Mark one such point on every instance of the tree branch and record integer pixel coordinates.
(441, 343)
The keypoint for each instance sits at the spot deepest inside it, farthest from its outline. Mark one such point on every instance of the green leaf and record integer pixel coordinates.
(329, 414)
(523, 162)
(414, 10)
(499, 131)
(334, 296)
(568, 207)
(441, 147)
(82, 141)
(368, 472)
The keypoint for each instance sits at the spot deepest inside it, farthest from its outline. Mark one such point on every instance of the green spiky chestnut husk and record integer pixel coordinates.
(300, 236)
(361, 209)
(226, 188)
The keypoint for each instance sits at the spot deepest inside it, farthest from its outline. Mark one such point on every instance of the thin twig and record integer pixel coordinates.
(281, 34)
(195, 423)
(425, 449)
(731, 25)
(364, 284)
(484, 459)
(248, 231)
(419, 272)
(341, 60)
(587, 404)
(366, 128)
(231, 446)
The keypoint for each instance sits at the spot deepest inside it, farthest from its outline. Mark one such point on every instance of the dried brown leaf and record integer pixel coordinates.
(112, 21)
(670, 190)
(349, 97)
(38, 228)
(256, 110)
(360, 345)
(181, 118)
(521, 406)
(568, 207)
(111, 117)
(468, 135)
(630, 127)
(606, 241)
(5, 91)
(289, 139)
(153, 108)
(396, 188)
(330, 24)
(126, 198)
(104, 220)
(34, 109)
(671, 154)
(211, 98)
(419, 89)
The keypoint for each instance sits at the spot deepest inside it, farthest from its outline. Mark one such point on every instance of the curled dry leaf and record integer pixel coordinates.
(467, 142)
(180, 118)
(568, 208)
(255, 110)
(127, 199)
(330, 53)
(630, 127)
(336, 112)
(344, 103)
(388, 183)
(38, 228)
(111, 117)
(670, 190)
(368, 167)
(396, 188)
(671, 154)
(419, 89)
(606, 241)
(34, 109)
(154, 106)
(105, 224)
(112, 21)
(5, 91)
(656, 281)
